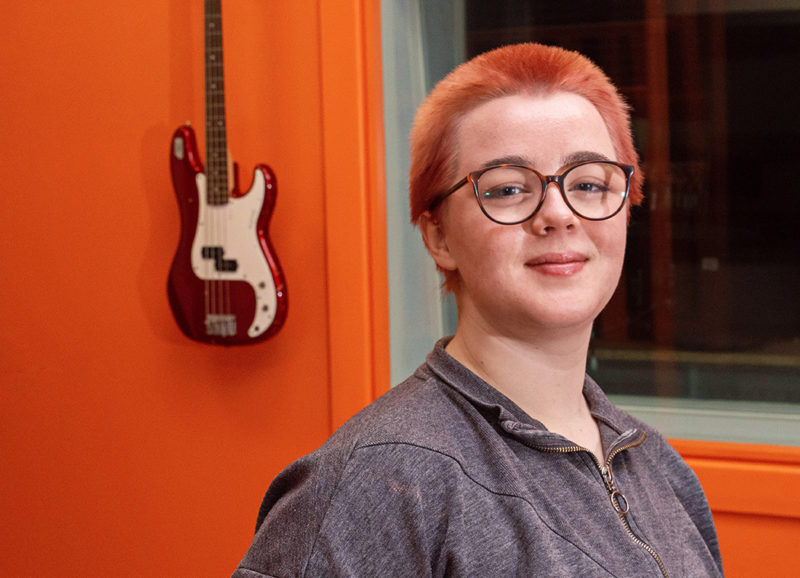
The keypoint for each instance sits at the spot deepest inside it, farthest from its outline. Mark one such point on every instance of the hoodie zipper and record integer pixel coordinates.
(618, 500)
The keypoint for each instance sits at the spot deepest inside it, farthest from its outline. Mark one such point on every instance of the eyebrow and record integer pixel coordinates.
(576, 157)
(582, 156)
(508, 160)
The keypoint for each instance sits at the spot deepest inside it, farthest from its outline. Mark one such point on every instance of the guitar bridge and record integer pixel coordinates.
(221, 325)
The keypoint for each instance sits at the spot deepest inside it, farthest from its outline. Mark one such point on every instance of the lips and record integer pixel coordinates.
(558, 264)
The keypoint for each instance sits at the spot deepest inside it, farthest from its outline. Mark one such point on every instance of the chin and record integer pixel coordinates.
(554, 320)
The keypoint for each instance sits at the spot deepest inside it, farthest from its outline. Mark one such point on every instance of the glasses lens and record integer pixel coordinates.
(509, 194)
(596, 190)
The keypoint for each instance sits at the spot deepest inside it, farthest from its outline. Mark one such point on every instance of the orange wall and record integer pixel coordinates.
(125, 447)
(754, 494)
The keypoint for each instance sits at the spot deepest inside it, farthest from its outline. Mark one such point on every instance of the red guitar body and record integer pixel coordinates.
(225, 285)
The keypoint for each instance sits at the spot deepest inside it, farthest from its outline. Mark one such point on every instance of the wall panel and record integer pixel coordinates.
(126, 448)
(754, 494)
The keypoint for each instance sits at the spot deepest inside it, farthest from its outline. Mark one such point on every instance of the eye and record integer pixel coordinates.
(507, 186)
(504, 191)
(594, 181)
(588, 187)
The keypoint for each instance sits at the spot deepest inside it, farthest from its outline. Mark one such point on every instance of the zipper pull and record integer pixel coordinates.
(618, 499)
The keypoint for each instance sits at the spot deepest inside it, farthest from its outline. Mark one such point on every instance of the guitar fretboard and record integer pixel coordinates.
(216, 140)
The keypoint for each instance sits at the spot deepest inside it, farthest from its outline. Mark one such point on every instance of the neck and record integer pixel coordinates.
(543, 373)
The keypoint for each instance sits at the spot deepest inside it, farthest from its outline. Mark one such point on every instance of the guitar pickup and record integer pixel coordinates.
(217, 254)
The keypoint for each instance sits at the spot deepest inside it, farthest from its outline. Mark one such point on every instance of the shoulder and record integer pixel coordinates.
(389, 468)
(422, 412)
(420, 420)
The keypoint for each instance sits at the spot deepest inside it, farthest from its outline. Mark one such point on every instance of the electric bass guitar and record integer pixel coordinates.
(225, 285)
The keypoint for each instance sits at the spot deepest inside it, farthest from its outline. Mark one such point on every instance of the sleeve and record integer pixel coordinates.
(378, 515)
(689, 491)
(288, 520)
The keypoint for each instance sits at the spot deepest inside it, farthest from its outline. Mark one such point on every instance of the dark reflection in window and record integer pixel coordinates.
(709, 304)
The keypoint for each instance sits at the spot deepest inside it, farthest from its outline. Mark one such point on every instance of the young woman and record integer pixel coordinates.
(499, 456)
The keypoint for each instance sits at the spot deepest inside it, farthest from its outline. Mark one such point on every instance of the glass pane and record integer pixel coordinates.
(422, 41)
(709, 306)
(707, 315)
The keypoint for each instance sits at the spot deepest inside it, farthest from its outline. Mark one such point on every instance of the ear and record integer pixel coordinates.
(433, 235)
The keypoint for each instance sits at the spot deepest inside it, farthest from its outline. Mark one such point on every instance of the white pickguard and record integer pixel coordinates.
(232, 226)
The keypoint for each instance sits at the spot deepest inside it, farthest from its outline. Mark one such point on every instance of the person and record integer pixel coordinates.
(499, 456)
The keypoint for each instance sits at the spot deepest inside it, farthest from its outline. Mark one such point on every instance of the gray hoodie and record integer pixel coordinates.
(445, 476)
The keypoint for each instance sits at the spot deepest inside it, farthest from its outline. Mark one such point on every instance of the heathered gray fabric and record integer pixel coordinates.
(445, 476)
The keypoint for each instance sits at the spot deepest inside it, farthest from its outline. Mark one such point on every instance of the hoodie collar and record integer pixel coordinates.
(500, 410)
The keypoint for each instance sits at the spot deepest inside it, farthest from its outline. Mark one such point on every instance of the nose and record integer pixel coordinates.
(554, 214)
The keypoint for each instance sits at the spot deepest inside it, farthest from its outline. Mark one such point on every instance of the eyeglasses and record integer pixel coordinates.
(512, 194)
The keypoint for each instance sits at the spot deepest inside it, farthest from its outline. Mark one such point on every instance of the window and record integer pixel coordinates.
(702, 338)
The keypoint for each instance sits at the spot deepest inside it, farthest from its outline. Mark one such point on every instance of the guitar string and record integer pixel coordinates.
(224, 197)
(210, 188)
(224, 190)
(217, 179)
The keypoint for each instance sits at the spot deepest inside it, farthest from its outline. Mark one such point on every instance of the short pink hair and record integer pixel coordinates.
(516, 69)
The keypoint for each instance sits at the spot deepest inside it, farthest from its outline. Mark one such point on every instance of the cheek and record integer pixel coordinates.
(483, 253)
(616, 242)
(611, 245)
(610, 235)
(621, 238)
(478, 242)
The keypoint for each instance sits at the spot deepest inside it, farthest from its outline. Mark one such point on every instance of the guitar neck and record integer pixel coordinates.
(216, 139)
